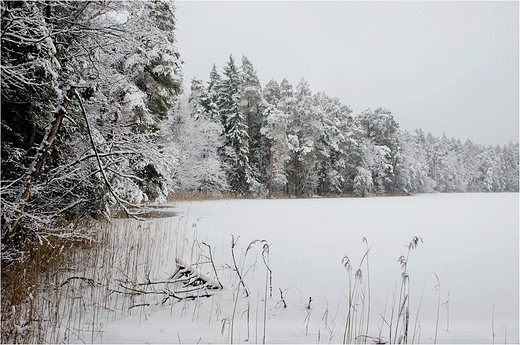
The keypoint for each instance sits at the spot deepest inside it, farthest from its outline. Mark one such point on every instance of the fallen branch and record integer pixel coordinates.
(195, 276)
(166, 292)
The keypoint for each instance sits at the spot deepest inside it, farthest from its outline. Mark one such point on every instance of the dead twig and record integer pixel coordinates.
(87, 280)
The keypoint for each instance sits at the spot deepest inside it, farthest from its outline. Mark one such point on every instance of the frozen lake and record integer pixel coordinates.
(470, 241)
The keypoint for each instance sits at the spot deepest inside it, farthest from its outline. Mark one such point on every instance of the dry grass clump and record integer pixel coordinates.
(358, 314)
(397, 323)
(67, 290)
(30, 286)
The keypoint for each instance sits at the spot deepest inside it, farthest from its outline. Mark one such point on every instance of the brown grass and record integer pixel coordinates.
(197, 196)
(67, 290)
(27, 282)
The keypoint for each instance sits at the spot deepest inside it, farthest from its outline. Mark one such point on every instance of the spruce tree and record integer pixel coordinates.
(236, 151)
(252, 105)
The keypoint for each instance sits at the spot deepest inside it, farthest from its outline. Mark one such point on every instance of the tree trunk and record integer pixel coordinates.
(271, 166)
(249, 133)
(43, 152)
(297, 180)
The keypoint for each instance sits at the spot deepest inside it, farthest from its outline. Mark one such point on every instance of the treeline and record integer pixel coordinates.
(285, 140)
(92, 118)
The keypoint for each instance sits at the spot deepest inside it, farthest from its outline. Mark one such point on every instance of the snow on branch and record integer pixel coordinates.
(191, 275)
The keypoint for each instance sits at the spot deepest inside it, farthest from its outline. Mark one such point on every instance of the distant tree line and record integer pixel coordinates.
(92, 118)
(285, 141)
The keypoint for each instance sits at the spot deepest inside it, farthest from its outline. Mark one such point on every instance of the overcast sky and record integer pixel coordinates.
(441, 66)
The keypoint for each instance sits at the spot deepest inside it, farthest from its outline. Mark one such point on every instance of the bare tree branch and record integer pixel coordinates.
(121, 202)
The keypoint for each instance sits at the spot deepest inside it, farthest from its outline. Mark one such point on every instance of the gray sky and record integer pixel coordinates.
(441, 66)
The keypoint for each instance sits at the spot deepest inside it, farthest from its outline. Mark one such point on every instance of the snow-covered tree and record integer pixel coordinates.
(381, 132)
(304, 132)
(151, 61)
(272, 92)
(412, 169)
(363, 183)
(210, 98)
(148, 68)
(275, 131)
(252, 105)
(333, 144)
(44, 55)
(199, 136)
(511, 156)
(236, 148)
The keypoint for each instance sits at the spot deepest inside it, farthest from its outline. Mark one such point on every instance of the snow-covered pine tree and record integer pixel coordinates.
(252, 106)
(489, 167)
(286, 101)
(274, 134)
(333, 143)
(457, 173)
(422, 182)
(363, 184)
(272, 92)
(471, 163)
(354, 153)
(153, 62)
(210, 98)
(511, 157)
(408, 169)
(236, 149)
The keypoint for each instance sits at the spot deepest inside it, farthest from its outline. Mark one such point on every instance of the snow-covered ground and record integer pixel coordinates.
(470, 241)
